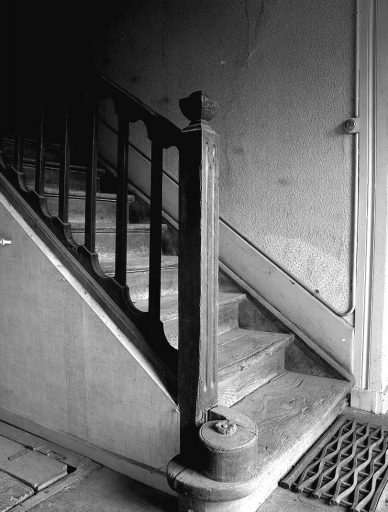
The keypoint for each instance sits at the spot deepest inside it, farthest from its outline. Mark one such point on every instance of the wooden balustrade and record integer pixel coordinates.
(198, 234)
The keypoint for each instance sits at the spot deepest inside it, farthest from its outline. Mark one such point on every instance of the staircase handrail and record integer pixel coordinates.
(169, 132)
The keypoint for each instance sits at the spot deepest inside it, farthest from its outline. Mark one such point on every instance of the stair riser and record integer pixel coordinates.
(105, 210)
(77, 179)
(53, 153)
(227, 320)
(139, 212)
(250, 376)
(138, 283)
(138, 243)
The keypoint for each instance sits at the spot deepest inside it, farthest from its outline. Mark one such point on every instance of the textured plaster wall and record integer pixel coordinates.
(283, 74)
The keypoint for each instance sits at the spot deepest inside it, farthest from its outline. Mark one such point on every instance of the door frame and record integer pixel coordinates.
(371, 313)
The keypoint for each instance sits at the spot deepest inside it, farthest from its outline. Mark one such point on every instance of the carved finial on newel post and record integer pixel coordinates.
(198, 268)
(198, 107)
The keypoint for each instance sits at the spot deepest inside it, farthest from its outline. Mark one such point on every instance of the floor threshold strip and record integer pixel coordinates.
(347, 467)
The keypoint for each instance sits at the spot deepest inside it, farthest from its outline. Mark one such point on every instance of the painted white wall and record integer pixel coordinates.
(65, 365)
(283, 73)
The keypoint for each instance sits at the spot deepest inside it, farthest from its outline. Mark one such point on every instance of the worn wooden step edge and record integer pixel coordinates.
(235, 334)
(291, 412)
(9, 140)
(249, 363)
(249, 349)
(53, 192)
(30, 163)
(138, 264)
(77, 227)
(306, 422)
(169, 304)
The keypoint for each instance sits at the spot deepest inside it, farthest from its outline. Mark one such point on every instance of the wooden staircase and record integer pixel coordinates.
(247, 357)
(264, 371)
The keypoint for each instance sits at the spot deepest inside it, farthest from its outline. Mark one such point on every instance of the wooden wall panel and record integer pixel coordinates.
(66, 366)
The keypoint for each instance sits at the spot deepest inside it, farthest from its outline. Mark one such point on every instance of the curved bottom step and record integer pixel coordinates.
(290, 412)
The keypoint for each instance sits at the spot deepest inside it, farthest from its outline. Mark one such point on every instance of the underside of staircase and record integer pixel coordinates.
(264, 371)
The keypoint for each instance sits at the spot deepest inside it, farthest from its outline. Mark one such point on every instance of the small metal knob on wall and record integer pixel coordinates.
(5, 242)
(352, 125)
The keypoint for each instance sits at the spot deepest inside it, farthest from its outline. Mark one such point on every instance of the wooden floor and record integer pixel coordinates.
(92, 487)
(104, 490)
(38, 475)
(282, 500)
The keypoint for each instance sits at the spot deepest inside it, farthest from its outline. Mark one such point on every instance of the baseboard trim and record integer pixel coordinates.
(369, 400)
(155, 478)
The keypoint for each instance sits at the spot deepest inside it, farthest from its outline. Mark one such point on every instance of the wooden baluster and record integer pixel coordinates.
(64, 173)
(122, 197)
(19, 179)
(91, 179)
(155, 230)
(19, 144)
(198, 269)
(5, 36)
(40, 168)
(2, 162)
(3, 110)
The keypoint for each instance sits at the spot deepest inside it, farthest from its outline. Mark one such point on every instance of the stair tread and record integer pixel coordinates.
(232, 335)
(81, 194)
(51, 165)
(291, 412)
(247, 345)
(169, 304)
(79, 227)
(139, 263)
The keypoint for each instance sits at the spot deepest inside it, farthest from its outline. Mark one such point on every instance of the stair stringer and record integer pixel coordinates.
(326, 333)
(69, 374)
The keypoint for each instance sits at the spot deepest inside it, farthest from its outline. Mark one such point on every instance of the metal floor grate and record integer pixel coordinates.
(346, 467)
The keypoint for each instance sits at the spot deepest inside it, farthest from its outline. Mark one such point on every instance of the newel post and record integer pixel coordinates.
(216, 468)
(198, 268)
